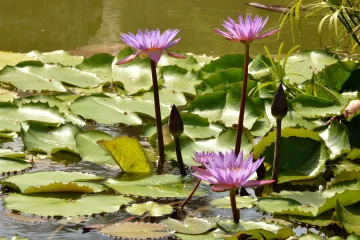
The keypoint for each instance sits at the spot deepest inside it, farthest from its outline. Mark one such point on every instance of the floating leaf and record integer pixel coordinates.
(224, 62)
(336, 139)
(323, 220)
(150, 208)
(137, 230)
(224, 142)
(268, 228)
(54, 181)
(156, 186)
(241, 202)
(8, 164)
(128, 154)
(37, 138)
(65, 205)
(166, 96)
(347, 170)
(295, 163)
(89, 149)
(347, 219)
(58, 57)
(11, 58)
(189, 226)
(7, 96)
(99, 64)
(189, 63)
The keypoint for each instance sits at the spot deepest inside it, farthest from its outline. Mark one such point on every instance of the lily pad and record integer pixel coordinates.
(8, 164)
(138, 230)
(150, 208)
(11, 58)
(89, 149)
(241, 202)
(189, 226)
(349, 220)
(38, 139)
(128, 154)
(54, 181)
(65, 205)
(57, 57)
(224, 62)
(305, 162)
(156, 186)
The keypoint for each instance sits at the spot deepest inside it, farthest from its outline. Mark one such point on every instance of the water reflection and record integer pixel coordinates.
(65, 24)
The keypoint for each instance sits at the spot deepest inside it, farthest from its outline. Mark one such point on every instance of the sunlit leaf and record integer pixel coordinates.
(149, 208)
(189, 226)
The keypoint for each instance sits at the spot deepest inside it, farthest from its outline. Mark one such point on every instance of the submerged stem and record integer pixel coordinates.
(235, 211)
(276, 163)
(191, 194)
(160, 137)
(242, 102)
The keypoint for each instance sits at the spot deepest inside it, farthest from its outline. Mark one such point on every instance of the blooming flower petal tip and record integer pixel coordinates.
(245, 30)
(152, 43)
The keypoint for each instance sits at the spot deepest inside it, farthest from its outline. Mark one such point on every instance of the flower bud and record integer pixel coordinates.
(176, 125)
(279, 106)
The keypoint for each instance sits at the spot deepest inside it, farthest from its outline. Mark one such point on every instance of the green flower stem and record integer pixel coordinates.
(160, 137)
(235, 211)
(275, 170)
(191, 194)
(242, 101)
(179, 156)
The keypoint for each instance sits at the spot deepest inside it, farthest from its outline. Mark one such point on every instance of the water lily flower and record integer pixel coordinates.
(152, 43)
(227, 172)
(203, 157)
(246, 31)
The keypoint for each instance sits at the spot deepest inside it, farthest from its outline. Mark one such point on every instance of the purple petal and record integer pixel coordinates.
(154, 54)
(172, 43)
(129, 58)
(268, 34)
(222, 187)
(255, 183)
(176, 55)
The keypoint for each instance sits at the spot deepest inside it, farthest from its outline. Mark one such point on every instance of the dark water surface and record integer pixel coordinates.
(45, 25)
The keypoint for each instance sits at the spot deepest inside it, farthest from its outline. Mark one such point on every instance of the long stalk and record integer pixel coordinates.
(234, 209)
(242, 101)
(179, 156)
(160, 137)
(276, 164)
(191, 194)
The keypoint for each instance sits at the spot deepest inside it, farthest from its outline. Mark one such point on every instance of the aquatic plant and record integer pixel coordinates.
(153, 44)
(245, 31)
(228, 172)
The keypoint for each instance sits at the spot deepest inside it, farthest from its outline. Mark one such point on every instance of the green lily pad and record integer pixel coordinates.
(334, 75)
(7, 96)
(241, 202)
(156, 186)
(224, 142)
(166, 96)
(347, 170)
(11, 58)
(311, 204)
(38, 139)
(9, 126)
(323, 220)
(54, 181)
(100, 64)
(11, 153)
(89, 149)
(305, 162)
(65, 205)
(138, 230)
(149, 208)
(225, 77)
(269, 228)
(189, 226)
(8, 164)
(306, 63)
(349, 220)
(224, 107)
(189, 63)
(181, 80)
(128, 154)
(336, 139)
(224, 62)
(57, 57)
(259, 67)
(315, 107)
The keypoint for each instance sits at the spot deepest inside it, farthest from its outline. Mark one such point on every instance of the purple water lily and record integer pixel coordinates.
(152, 43)
(246, 31)
(203, 157)
(228, 172)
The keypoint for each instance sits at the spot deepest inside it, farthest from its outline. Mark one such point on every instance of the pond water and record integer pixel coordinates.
(44, 25)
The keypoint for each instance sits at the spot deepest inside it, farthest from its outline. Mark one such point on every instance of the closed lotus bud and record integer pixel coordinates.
(176, 124)
(279, 106)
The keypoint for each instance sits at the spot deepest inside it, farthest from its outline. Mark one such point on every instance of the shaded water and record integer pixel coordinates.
(44, 25)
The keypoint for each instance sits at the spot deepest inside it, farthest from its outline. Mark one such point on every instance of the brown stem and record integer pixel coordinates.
(179, 157)
(191, 194)
(160, 137)
(242, 102)
(235, 211)
(276, 163)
